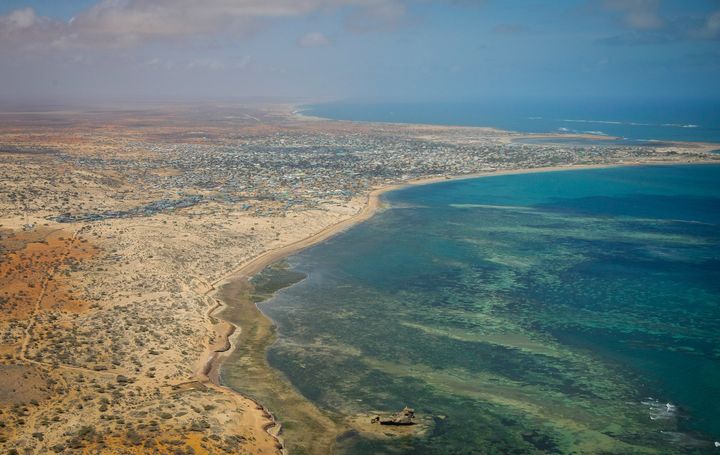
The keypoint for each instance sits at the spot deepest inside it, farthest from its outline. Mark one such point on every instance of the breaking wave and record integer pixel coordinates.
(617, 122)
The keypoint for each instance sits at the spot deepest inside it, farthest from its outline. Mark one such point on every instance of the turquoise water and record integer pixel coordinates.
(637, 120)
(562, 312)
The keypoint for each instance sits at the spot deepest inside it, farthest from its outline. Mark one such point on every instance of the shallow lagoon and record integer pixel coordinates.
(540, 313)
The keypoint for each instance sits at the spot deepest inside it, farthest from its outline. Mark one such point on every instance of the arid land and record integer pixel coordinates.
(120, 227)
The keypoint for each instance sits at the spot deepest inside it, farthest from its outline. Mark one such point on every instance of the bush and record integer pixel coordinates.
(134, 437)
(86, 431)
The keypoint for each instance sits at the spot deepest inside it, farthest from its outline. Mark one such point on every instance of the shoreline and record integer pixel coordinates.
(216, 353)
(297, 112)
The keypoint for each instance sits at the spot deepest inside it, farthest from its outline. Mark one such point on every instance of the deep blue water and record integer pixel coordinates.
(561, 312)
(697, 121)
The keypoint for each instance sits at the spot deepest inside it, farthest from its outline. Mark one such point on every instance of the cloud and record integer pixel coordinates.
(648, 27)
(637, 14)
(380, 16)
(131, 23)
(711, 28)
(212, 64)
(313, 39)
(19, 19)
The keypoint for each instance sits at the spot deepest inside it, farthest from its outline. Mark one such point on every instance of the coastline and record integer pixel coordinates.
(216, 353)
(227, 332)
(298, 113)
(159, 224)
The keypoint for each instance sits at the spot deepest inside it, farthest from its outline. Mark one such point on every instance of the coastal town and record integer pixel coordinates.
(118, 227)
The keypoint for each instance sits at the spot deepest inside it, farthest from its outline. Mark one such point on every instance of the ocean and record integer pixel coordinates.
(557, 312)
(696, 121)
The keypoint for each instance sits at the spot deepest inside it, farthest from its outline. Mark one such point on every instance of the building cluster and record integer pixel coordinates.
(284, 170)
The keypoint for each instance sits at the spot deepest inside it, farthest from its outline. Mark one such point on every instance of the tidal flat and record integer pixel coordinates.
(559, 312)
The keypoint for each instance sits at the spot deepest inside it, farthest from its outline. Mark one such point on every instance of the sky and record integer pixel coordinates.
(321, 50)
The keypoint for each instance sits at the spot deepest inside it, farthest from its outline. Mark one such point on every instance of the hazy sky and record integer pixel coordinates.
(379, 49)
